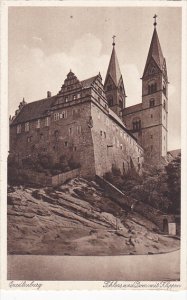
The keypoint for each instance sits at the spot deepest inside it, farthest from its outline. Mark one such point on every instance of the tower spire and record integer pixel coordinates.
(113, 86)
(155, 51)
(113, 68)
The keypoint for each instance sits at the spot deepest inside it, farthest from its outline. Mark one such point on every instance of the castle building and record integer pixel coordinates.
(87, 122)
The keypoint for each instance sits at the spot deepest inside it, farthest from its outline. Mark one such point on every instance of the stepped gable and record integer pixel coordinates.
(34, 110)
(70, 83)
(41, 108)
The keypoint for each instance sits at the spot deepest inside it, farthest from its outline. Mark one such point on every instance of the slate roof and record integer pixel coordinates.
(34, 110)
(155, 52)
(39, 109)
(113, 68)
(87, 82)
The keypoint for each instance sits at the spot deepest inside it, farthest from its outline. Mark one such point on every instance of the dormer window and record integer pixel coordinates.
(74, 97)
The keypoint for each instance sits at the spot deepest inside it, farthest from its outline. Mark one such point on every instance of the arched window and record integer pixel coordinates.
(109, 87)
(110, 100)
(164, 89)
(164, 104)
(136, 124)
(152, 88)
(120, 103)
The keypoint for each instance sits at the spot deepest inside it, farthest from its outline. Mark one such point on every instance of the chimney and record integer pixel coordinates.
(48, 94)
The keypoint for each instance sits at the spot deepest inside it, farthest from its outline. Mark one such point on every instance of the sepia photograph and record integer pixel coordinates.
(94, 143)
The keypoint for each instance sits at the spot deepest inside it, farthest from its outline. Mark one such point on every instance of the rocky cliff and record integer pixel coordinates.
(77, 218)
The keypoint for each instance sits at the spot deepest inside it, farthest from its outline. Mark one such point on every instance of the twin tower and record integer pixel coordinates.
(148, 120)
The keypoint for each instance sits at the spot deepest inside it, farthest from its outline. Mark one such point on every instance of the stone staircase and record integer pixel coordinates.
(128, 203)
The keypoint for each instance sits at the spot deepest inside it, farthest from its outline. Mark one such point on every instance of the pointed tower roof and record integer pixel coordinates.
(155, 51)
(113, 68)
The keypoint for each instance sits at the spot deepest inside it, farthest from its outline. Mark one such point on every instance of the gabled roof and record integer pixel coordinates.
(155, 52)
(113, 68)
(34, 110)
(39, 109)
(87, 82)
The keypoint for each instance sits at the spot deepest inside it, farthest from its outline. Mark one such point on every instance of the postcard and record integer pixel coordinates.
(93, 145)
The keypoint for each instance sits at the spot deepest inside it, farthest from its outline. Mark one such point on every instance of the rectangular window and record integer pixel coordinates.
(79, 129)
(105, 135)
(65, 143)
(152, 102)
(38, 123)
(101, 133)
(78, 96)
(70, 131)
(56, 116)
(27, 127)
(29, 139)
(19, 128)
(47, 121)
(63, 115)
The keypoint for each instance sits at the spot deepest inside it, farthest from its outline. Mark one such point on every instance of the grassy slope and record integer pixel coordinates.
(77, 219)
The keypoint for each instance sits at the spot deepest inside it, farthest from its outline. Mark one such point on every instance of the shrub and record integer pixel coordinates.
(46, 161)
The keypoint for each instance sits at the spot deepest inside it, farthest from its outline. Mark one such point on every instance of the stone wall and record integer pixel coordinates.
(149, 212)
(69, 136)
(113, 146)
(153, 134)
(46, 180)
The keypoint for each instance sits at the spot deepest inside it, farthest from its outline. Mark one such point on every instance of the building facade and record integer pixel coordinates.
(87, 122)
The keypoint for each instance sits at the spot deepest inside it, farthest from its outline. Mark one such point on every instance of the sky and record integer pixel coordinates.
(44, 43)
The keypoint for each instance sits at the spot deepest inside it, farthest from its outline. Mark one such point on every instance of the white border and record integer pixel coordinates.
(4, 135)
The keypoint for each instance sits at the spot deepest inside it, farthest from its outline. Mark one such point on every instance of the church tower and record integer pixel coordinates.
(113, 86)
(155, 102)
